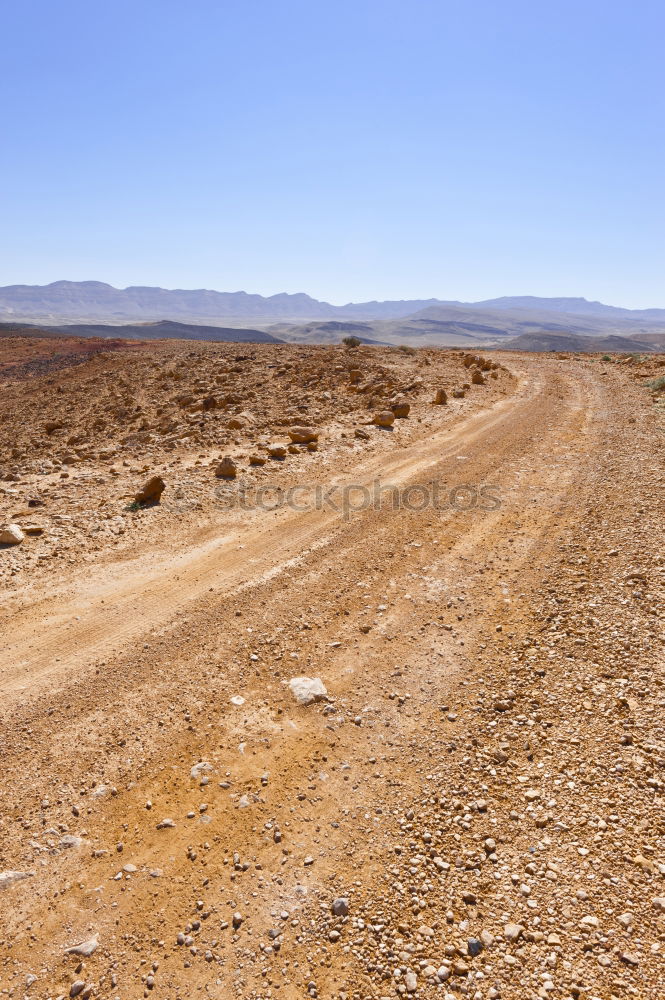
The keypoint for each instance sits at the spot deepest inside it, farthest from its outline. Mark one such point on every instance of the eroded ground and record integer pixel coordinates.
(482, 790)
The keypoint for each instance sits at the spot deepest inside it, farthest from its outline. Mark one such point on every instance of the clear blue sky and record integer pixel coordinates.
(354, 150)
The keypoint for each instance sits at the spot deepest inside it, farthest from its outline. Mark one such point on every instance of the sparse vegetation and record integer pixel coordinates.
(405, 349)
(657, 384)
(351, 341)
(606, 357)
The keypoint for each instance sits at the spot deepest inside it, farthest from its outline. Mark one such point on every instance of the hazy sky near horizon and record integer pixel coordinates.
(366, 149)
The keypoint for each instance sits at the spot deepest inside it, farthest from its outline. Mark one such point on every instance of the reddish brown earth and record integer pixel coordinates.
(483, 783)
(26, 355)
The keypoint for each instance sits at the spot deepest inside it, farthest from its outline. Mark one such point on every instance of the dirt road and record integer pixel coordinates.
(477, 787)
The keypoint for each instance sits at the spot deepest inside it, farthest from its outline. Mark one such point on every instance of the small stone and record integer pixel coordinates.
(307, 690)
(512, 932)
(202, 767)
(70, 841)
(474, 946)
(86, 948)
(10, 877)
(302, 435)
(340, 906)
(411, 982)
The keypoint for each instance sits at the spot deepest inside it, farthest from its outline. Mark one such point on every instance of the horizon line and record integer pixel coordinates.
(432, 298)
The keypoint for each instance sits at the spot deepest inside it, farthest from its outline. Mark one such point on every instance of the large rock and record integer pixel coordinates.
(478, 378)
(227, 468)
(302, 435)
(400, 408)
(11, 535)
(384, 418)
(276, 450)
(152, 490)
(441, 397)
(307, 690)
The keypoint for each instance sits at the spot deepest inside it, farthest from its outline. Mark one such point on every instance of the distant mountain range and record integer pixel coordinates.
(301, 318)
(94, 300)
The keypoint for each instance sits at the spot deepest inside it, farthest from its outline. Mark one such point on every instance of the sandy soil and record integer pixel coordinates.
(481, 791)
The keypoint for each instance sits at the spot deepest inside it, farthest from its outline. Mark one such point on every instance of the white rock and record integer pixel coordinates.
(10, 877)
(411, 982)
(512, 931)
(85, 948)
(307, 690)
(11, 535)
(237, 700)
(199, 769)
(69, 840)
